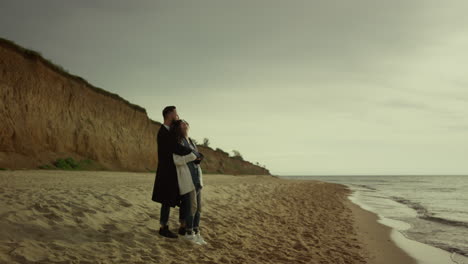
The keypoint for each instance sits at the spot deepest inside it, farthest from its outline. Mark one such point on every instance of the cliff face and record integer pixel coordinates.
(220, 162)
(46, 113)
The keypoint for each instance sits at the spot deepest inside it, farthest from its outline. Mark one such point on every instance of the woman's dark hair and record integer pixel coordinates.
(176, 129)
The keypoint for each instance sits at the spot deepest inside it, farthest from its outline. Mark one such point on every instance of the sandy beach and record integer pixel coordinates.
(108, 217)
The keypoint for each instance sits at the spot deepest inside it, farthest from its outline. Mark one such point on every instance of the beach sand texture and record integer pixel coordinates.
(108, 217)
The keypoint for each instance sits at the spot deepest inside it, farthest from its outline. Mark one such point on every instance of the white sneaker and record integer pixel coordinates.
(192, 238)
(200, 239)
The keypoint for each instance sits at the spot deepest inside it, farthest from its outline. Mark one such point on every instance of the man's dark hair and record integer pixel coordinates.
(167, 110)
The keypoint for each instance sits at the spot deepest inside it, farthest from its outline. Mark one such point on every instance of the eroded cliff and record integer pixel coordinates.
(47, 113)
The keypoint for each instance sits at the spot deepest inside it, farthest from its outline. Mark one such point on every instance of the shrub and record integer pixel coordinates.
(63, 164)
(46, 167)
(71, 164)
(206, 142)
(237, 155)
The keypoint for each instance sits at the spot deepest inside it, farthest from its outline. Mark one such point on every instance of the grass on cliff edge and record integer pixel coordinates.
(71, 164)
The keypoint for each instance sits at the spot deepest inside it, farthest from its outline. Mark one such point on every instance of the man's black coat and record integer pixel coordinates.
(166, 186)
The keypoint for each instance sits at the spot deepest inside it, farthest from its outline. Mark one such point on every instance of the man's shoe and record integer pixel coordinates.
(181, 231)
(165, 232)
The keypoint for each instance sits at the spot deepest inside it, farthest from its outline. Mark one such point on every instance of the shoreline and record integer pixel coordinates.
(377, 238)
(419, 252)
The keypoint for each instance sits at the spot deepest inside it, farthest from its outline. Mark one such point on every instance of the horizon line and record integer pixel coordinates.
(371, 175)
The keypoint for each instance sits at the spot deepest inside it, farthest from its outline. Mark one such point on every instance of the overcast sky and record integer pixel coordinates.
(304, 87)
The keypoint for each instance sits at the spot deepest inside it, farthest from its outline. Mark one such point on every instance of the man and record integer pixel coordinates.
(166, 187)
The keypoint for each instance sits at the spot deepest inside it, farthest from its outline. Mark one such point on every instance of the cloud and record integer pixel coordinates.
(405, 105)
(338, 85)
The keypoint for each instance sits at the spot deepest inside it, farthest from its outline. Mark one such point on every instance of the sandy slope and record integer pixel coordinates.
(108, 217)
(47, 113)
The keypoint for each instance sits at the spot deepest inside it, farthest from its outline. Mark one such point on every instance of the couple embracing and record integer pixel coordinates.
(178, 177)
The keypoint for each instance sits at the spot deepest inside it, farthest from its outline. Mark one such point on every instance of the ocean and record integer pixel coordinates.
(435, 208)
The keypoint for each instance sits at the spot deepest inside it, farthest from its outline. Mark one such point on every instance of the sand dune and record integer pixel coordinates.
(108, 217)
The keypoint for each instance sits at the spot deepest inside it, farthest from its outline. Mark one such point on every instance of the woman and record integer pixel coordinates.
(190, 180)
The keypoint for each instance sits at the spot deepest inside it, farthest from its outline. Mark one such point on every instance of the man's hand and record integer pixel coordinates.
(199, 159)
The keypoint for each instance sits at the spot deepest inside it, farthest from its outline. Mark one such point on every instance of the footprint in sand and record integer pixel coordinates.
(42, 208)
(123, 202)
(54, 217)
(109, 227)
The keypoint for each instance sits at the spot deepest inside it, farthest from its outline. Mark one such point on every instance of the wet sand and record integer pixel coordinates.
(377, 238)
(108, 217)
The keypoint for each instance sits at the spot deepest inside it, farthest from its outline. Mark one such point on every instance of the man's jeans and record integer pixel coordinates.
(191, 221)
(165, 212)
(164, 218)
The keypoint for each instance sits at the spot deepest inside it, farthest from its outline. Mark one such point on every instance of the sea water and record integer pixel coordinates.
(434, 208)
